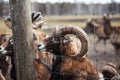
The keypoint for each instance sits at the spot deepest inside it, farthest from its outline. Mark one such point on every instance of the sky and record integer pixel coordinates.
(72, 1)
(84, 1)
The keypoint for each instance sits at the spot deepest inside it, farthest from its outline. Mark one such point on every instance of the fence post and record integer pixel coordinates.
(23, 39)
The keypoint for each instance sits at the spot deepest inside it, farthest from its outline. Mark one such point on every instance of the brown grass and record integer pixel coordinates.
(3, 28)
(64, 20)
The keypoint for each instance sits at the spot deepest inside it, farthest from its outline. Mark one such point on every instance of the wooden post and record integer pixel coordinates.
(23, 39)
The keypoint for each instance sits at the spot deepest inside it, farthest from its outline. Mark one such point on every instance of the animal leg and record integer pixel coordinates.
(95, 46)
(1, 76)
(118, 59)
(105, 46)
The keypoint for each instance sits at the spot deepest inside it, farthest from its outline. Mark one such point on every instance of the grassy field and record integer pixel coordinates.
(3, 28)
(76, 20)
(66, 20)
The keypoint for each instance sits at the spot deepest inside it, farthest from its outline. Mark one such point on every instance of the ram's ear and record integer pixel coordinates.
(32, 16)
(56, 40)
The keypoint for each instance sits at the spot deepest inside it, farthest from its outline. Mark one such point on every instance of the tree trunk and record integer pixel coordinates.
(1, 8)
(23, 39)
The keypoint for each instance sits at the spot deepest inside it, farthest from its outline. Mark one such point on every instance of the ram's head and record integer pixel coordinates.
(7, 47)
(60, 44)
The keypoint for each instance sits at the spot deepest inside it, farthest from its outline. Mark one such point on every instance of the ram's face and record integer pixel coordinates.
(7, 47)
(2, 39)
(8, 22)
(105, 20)
(60, 40)
(89, 28)
(54, 43)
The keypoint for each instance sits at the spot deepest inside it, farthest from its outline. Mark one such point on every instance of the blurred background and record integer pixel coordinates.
(74, 12)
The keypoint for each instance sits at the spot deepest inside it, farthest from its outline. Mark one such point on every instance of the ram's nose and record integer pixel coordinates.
(1, 48)
(41, 47)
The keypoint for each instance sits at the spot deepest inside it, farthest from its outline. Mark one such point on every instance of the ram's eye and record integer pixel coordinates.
(65, 39)
(55, 39)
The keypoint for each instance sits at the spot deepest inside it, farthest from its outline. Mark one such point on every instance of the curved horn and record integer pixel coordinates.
(78, 32)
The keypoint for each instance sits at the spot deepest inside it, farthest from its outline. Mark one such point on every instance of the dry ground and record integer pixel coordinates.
(105, 54)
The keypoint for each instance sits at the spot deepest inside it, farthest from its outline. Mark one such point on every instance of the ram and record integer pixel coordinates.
(7, 50)
(102, 30)
(37, 36)
(37, 23)
(42, 69)
(116, 78)
(4, 65)
(67, 63)
(109, 71)
(4, 38)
